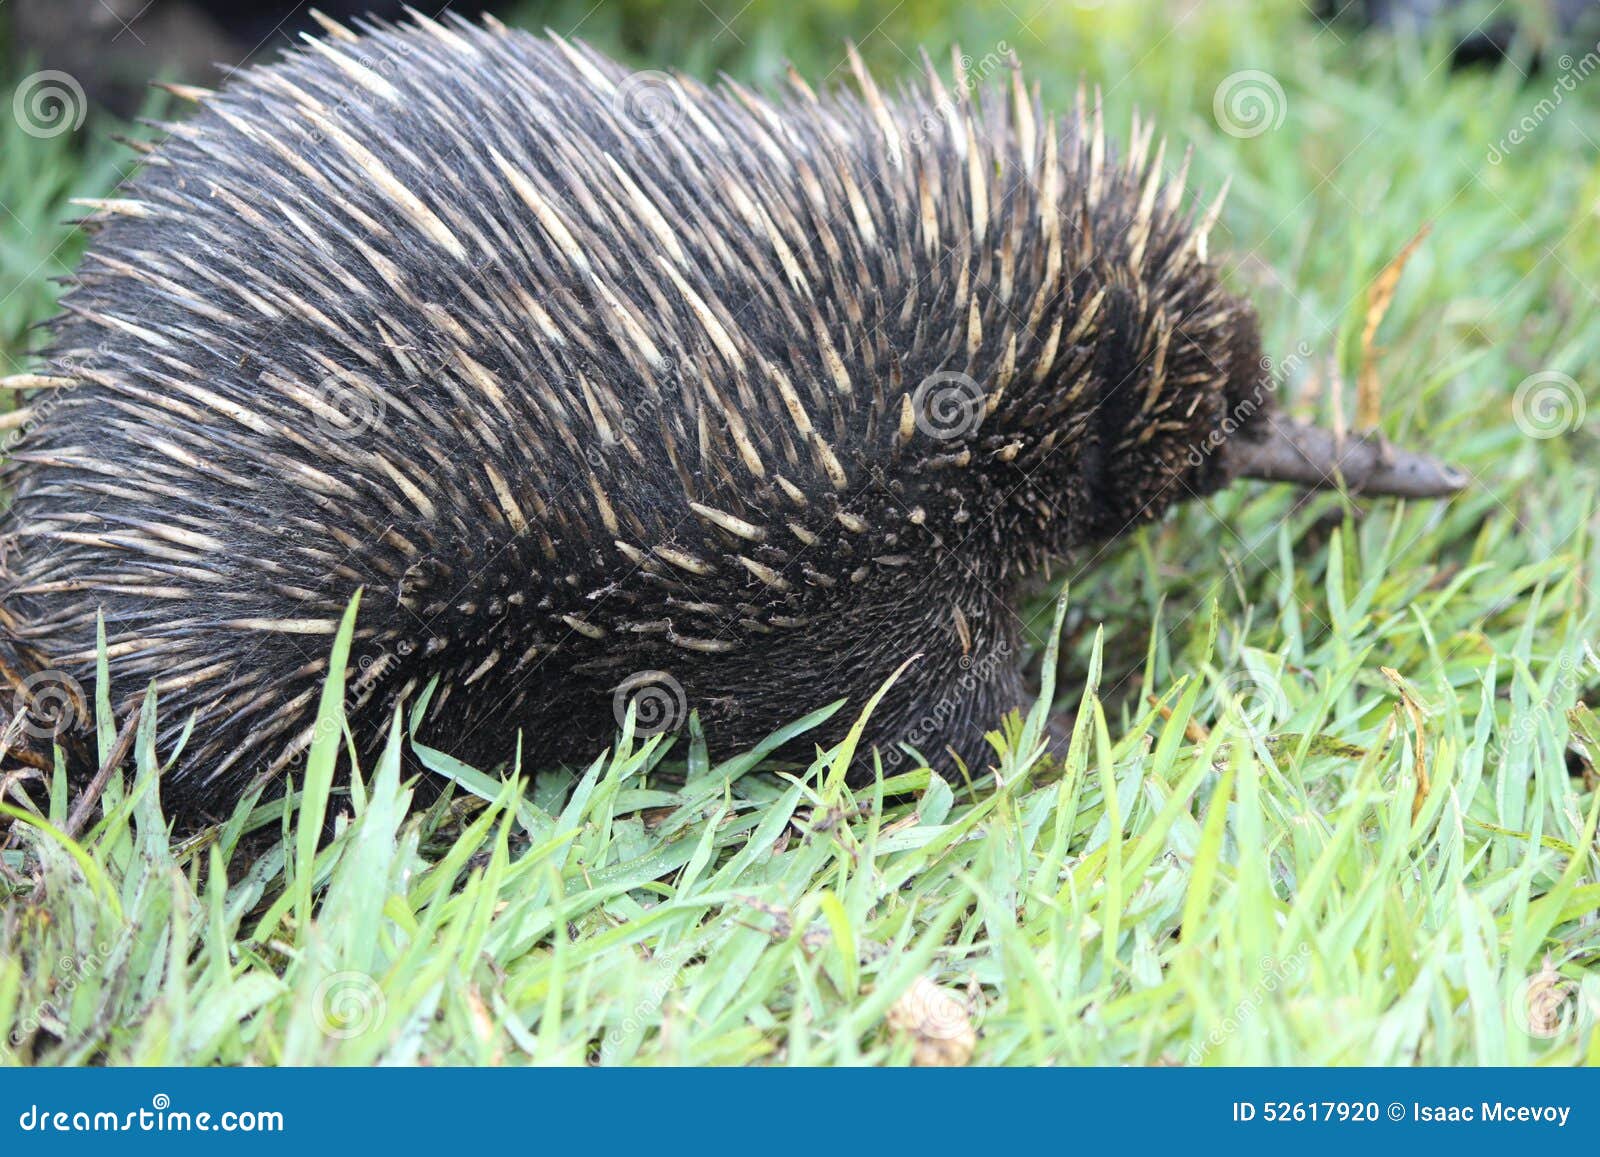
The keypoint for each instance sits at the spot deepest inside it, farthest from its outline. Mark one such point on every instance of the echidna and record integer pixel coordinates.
(598, 383)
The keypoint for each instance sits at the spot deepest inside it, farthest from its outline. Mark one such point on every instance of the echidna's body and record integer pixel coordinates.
(767, 397)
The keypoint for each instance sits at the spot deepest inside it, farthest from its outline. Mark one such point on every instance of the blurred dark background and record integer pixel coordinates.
(115, 47)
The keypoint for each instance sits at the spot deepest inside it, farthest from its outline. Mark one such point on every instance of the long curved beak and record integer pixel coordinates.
(1317, 458)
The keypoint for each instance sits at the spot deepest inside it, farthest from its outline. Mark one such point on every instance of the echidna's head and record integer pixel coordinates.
(1169, 394)
(1142, 402)
(1079, 357)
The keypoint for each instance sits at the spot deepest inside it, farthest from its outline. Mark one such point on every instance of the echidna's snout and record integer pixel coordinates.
(1289, 451)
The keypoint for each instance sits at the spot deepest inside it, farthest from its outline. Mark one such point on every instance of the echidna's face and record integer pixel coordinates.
(1174, 393)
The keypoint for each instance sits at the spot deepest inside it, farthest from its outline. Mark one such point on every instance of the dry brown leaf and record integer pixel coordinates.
(1380, 295)
(1194, 731)
(1414, 709)
(938, 1023)
(482, 1021)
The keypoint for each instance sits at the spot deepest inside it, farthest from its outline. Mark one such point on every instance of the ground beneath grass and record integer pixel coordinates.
(1331, 796)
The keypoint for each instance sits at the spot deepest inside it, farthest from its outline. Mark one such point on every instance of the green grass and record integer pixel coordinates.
(1245, 873)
